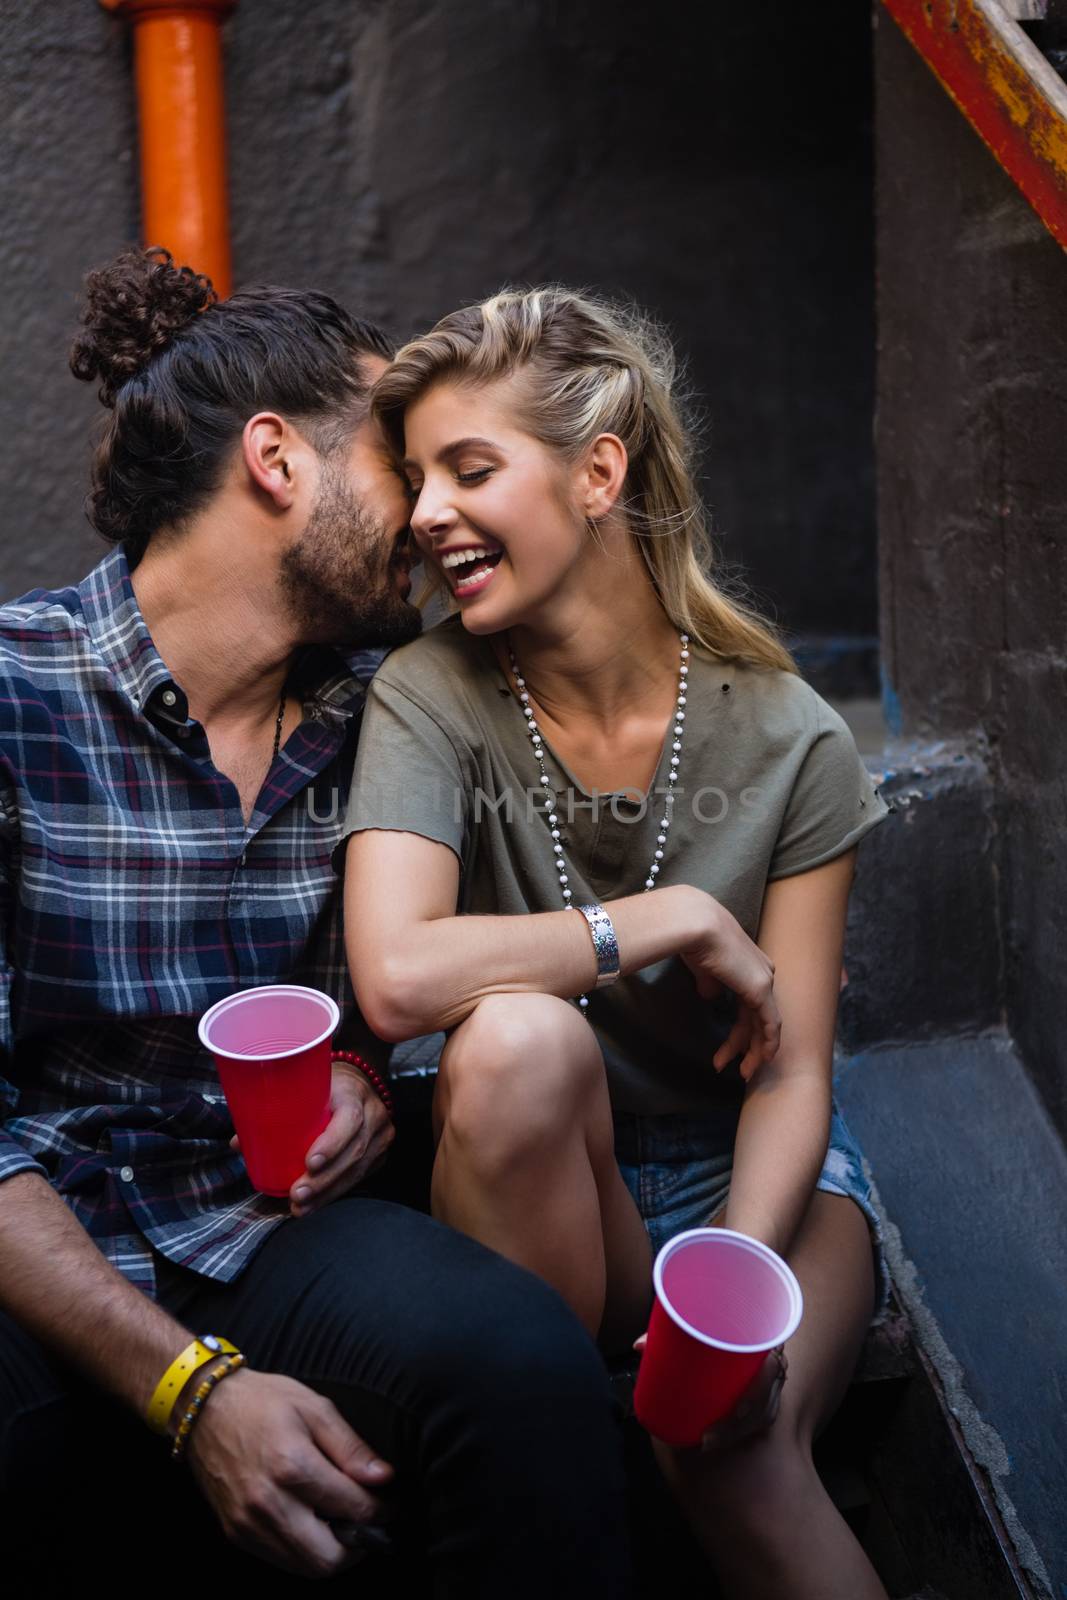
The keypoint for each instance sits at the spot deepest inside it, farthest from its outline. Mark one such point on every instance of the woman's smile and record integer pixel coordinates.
(469, 568)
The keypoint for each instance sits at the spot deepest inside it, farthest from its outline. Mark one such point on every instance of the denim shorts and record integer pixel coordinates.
(678, 1170)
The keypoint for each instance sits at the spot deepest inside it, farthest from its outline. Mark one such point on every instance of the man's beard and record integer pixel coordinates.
(339, 578)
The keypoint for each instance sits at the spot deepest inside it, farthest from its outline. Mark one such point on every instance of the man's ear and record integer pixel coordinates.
(603, 475)
(267, 449)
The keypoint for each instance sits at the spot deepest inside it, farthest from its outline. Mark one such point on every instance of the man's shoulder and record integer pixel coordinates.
(37, 626)
(49, 662)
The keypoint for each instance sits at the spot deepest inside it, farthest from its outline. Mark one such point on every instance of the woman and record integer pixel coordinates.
(601, 728)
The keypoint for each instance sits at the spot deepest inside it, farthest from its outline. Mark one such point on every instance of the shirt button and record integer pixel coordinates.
(126, 1174)
(169, 697)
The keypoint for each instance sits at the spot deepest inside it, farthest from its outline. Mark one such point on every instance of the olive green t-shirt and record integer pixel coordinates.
(770, 784)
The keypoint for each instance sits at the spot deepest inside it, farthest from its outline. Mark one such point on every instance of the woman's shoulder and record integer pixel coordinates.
(773, 700)
(444, 669)
(446, 647)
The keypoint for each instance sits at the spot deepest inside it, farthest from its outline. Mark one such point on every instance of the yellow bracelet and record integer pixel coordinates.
(177, 1375)
(185, 1427)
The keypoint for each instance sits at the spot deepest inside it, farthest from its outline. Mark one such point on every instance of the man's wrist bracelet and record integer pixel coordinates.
(169, 1388)
(196, 1404)
(376, 1081)
(604, 943)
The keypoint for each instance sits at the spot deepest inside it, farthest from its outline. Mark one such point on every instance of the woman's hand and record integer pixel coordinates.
(725, 956)
(754, 1412)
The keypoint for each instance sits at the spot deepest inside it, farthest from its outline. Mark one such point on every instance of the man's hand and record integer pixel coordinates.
(360, 1132)
(278, 1463)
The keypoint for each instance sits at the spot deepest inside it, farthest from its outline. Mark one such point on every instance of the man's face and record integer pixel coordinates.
(347, 576)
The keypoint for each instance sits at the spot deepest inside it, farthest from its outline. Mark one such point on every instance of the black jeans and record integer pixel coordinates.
(465, 1372)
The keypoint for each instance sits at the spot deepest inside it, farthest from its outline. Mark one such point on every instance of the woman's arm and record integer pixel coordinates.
(417, 966)
(785, 1121)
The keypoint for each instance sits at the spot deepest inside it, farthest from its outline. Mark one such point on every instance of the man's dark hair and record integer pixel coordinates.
(182, 372)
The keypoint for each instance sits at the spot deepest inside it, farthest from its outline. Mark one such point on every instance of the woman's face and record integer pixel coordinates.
(493, 509)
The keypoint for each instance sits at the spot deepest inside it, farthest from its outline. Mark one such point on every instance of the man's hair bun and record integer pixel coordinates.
(181, 373)
(133, 309)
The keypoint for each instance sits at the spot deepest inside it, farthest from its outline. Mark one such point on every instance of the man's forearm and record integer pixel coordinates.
(443, 968)
(55, 1282)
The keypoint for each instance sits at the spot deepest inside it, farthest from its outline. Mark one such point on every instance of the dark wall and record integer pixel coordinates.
(712, 161)
(68, 197)
(972, 500)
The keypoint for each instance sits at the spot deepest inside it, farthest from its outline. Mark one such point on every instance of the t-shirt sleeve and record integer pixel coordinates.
(833, 802)
(408, 775)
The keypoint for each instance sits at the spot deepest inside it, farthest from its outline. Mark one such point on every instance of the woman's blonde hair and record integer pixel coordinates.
(586, 366)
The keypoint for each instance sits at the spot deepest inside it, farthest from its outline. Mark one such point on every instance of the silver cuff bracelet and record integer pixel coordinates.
(604, 943)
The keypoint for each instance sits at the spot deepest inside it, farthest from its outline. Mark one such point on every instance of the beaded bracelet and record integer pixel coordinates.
(206, 1349)
(377, 1083)
(223, 1370)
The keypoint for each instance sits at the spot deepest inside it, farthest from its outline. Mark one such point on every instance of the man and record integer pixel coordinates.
(173, 730)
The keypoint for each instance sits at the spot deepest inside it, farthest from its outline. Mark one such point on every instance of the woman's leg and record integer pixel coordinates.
(759, 1509)
(526, 1162)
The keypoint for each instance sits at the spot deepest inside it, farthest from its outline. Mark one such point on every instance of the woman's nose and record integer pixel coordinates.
(431, 515)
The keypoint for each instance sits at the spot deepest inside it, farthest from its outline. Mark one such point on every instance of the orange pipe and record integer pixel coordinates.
(178, 67)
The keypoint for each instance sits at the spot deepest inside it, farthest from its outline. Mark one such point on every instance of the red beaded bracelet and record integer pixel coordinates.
(377, 1083)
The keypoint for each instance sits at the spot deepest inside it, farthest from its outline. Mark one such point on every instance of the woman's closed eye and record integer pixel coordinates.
(475, 475)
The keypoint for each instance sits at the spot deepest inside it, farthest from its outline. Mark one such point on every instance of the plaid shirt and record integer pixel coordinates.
(135, 895)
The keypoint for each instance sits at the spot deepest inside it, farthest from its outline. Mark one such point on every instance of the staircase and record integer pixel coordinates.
(1004, 86)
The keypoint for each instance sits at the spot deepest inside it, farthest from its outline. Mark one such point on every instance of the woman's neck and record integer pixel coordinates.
(600, 661)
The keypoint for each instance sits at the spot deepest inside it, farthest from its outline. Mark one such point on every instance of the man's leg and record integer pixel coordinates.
(465, 1372)
(44, 1426)
(83, 1483)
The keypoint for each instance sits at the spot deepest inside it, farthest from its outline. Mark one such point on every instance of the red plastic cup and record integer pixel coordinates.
(272, 1049)
(722, 1302)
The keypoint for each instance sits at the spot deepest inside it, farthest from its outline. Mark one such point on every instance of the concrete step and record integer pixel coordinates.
(973, 1181)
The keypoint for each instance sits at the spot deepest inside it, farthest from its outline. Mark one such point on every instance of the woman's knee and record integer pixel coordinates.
(518, 1068)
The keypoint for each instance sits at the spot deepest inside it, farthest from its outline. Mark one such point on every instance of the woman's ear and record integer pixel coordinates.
(604, 474)
(267, 449)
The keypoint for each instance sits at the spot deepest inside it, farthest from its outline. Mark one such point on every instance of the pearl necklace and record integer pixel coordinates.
(546, 782)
